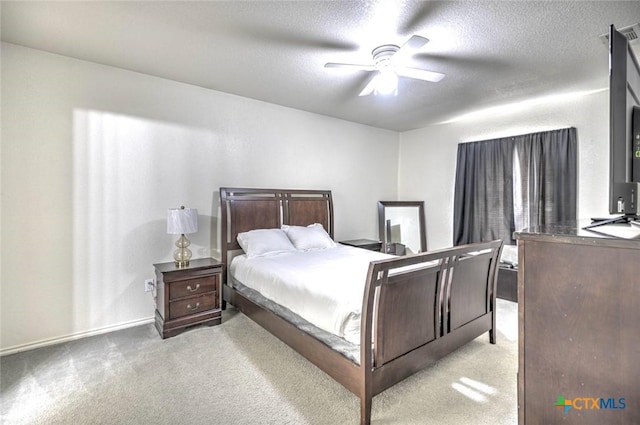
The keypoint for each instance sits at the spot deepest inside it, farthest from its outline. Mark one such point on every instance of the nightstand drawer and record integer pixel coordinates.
(192, 287)
(193, 305)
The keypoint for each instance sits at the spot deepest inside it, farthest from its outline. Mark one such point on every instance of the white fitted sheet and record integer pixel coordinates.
(324, 287)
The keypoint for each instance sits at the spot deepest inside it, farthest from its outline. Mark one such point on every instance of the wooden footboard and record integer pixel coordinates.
(418, 309)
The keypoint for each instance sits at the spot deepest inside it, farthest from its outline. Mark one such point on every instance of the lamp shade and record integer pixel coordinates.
(182, 221)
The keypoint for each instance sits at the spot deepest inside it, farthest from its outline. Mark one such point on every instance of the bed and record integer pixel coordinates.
(414, 310)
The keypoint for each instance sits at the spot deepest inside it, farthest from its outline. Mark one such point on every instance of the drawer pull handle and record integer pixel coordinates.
(194, 307)
(190, 289)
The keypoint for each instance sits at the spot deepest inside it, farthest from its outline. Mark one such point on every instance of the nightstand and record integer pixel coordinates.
(364, 244)
(187, 296)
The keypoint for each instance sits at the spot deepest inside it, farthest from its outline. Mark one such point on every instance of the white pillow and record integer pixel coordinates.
(311, 237)
(259, 242)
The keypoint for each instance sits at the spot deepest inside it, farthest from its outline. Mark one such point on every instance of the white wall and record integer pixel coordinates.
(92, 157)
(428, 156)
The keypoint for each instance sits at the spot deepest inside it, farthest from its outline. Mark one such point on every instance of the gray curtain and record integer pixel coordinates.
(512, 183)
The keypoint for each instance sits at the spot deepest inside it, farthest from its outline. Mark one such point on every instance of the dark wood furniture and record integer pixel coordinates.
(364, 244)
(410, 319)
(508, 284)
(187, 296)
(579, 318)
(395, 249)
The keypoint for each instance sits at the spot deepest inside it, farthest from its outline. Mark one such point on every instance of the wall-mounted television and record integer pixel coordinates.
(624, 131)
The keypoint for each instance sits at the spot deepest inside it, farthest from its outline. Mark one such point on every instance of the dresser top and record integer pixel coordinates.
(624, 235)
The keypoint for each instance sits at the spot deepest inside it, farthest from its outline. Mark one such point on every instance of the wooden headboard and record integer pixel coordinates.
(244, 209)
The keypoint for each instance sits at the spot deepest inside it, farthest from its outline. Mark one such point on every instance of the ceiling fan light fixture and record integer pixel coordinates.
(386, 82)
(390, 63)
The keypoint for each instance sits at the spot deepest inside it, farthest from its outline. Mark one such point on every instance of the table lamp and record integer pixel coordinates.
(182, 221)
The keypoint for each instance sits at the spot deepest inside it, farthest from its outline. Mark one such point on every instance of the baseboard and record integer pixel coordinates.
(72, 337)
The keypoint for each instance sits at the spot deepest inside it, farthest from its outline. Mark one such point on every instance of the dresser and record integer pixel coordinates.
(579, 327)
(187, 296)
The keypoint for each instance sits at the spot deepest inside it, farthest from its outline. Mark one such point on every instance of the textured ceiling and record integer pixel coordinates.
(493, 53)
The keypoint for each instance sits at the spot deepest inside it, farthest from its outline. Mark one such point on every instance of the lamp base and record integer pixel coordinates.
(182, 255)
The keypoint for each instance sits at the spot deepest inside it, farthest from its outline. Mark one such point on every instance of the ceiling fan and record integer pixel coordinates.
(388, 63)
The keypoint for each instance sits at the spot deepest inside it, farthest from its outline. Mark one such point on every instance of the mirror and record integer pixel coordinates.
(401, 227)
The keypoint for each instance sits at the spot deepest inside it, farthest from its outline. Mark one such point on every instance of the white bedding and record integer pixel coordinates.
(325, 287)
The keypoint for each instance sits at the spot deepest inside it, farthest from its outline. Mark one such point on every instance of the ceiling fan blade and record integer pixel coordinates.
(409, 48)
(415, 42)
(420, 74)
(369, 88)
(352, 66)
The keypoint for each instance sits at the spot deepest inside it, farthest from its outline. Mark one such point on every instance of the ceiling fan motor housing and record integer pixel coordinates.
(382, 54)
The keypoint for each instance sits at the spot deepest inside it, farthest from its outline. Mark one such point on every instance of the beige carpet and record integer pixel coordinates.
(237, 373)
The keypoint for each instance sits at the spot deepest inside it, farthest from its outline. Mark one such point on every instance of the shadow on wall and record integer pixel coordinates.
(127, 172)
(214, 230)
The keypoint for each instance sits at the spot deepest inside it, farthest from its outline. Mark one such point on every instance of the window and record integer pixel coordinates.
(508, 184)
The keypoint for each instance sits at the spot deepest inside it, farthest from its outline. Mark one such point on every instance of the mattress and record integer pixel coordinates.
(324, 287)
